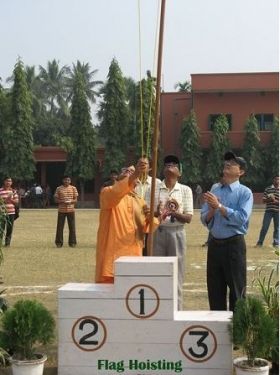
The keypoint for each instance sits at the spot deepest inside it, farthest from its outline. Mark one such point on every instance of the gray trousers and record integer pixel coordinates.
(171, 241)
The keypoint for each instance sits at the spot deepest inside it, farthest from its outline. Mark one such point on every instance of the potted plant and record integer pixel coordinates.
(269, 287)
(254, 332)
(24, 326)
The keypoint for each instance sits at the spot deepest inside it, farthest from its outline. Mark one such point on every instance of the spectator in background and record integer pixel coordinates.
(66, 196)
(271, 199)
(38, 196)
(226, 214)
(8, 199)
(198, 196)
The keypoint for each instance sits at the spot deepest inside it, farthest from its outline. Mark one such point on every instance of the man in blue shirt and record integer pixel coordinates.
(226, 213)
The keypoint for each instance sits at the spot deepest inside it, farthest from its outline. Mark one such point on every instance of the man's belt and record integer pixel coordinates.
(226, 240)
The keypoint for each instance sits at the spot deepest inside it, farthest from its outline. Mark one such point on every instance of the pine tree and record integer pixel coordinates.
(274, 148)
(114, 116)
(81, 150)
(252, 153)
(191, 152)
(18, 159)
(220, 144)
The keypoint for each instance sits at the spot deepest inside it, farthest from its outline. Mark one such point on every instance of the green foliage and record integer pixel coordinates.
(145, 115)
(253, 328)
(81, 153)
(53, 84)
(253, 154)
(86, 75)
(114, 119)
(17, 160)
(191, 151)
(269, 286)
(27, 324)
(273, 151)
(183, 86)
(220, 144)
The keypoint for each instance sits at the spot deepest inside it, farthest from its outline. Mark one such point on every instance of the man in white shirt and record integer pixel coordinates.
(143, 189)
(175, 207)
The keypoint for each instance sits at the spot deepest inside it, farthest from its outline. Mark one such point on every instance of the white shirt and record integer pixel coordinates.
(180, 193)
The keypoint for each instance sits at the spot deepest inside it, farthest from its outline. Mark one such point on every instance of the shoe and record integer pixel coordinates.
(258, 245)
(59, 245)
(72, 245)
(276, 246)
(7, 245)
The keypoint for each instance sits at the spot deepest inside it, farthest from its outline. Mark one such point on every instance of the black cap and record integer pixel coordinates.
(238, 159)
(171, 159)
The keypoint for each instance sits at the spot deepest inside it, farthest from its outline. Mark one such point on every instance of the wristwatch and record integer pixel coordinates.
(219, 205)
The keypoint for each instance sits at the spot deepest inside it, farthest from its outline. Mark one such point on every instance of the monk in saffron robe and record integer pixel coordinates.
(123, 221)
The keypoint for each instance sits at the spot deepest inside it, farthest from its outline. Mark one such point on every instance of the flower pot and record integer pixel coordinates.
(241, 367)
(29, 367)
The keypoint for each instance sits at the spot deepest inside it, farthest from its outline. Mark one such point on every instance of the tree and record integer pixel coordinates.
(253, 155)
(191, 152)
(53, 81)
(81, 152)
(220, 144)
(114, 118)
(18, 159)
(83, 70)
(183, 86)
(273, 150)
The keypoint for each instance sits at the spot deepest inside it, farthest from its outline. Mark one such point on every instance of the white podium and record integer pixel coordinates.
(133, 326)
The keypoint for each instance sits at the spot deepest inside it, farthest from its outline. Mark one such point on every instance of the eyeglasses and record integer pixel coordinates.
(171, 165)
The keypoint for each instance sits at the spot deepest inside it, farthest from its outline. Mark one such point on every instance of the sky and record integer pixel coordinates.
(200, 36)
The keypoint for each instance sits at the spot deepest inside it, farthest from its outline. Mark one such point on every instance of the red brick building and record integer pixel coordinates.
(236, 95)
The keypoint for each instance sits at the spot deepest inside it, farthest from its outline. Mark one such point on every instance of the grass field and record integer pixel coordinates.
(34, 268)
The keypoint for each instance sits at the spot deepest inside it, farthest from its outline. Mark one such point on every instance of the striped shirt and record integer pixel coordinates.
(180, 194)
(6, 195)
(269, 192)
(64, 196)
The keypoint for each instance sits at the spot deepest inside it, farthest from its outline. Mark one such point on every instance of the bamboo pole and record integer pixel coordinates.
(156, 127)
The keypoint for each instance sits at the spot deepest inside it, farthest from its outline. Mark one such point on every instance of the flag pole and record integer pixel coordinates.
(156, 128)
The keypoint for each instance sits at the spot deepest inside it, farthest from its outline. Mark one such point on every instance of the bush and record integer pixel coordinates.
(24, 326)
(253, 329)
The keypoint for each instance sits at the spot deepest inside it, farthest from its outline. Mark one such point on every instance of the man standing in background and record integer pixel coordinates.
(8, 200)
(271, 199)
(66, 196)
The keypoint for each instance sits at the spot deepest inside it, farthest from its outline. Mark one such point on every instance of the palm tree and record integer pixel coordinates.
(183, 86)
(53, 81)
(83, 70)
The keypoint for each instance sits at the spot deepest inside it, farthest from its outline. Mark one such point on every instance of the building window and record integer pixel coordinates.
(212, 119)
(265, 121)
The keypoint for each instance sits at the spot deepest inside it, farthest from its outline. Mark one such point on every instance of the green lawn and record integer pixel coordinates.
(34, 268)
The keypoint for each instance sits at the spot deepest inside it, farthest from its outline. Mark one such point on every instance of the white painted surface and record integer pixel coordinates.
(136, 319)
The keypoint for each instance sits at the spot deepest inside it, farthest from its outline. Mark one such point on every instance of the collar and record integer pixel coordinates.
(234, 185)
(163, 186)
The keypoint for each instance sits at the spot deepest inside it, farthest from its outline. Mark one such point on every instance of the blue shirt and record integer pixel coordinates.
(238, 202)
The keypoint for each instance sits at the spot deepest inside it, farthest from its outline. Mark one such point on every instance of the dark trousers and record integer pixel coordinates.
(226, 269)
(7, 223)
(268, 216)
(60, 226)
